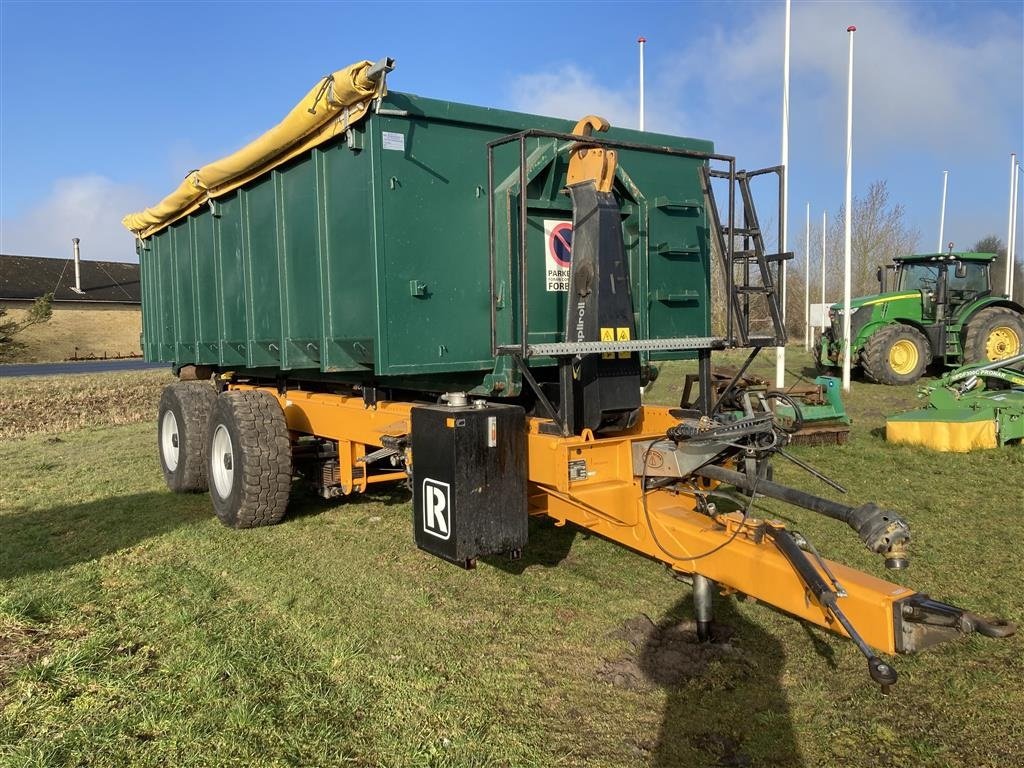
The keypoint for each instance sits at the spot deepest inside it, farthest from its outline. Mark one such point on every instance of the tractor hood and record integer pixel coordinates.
(878, 298)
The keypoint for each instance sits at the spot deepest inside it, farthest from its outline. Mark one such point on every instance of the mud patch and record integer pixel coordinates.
(20, 645)
(725, 748)
(666, 654)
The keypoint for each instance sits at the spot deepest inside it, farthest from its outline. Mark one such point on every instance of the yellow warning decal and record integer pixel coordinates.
(608, 334)
(622, 334)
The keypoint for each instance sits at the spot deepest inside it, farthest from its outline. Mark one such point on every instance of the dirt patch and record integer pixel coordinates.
(20, 646)
(666, 654)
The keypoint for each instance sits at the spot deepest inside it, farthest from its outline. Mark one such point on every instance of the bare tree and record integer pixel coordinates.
(879, 234)
(40, 312)
(994, 244)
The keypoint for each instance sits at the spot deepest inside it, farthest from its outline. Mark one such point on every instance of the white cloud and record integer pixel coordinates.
(918, 85)
(88, 207)
(572, 93)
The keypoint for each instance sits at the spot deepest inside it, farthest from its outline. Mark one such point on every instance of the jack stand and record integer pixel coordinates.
(703, 596)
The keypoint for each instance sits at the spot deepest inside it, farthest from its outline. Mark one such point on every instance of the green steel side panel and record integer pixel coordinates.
(231, 289)
(204, 272)
(165, 306)
(147, 282)
(299, 264)
(184, 297)
(678, 287)
(262, 280)
(434, 215)
(348, 259)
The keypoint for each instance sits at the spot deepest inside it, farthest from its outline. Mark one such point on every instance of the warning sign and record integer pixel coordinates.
(558, 254)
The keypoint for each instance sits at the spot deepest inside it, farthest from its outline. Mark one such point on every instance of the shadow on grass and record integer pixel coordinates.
(305, 502)
(38, 540)
(548, 546)
(725, 703)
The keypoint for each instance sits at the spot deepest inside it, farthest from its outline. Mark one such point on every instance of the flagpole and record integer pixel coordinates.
(641, 41)
(942, 216)
(1008, 282)
(1011, 250)
(807, 282)
(824, 225)
(848, 233)
(780, 352)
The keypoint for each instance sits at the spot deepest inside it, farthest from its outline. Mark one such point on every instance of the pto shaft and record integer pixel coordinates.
(881, 531)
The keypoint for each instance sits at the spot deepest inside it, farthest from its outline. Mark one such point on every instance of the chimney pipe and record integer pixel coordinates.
(78, 270)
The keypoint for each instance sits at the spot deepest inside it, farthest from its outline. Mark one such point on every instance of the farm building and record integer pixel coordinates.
(101, 317)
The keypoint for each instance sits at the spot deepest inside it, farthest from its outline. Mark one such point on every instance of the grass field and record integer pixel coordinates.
(135, 630)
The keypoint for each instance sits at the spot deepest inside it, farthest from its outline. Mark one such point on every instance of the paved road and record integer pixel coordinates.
(79, 366)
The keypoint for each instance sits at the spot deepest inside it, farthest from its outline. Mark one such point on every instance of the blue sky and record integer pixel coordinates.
(105, 106)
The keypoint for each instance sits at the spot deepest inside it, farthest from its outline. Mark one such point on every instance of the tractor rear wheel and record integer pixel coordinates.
(181, 434)
(993, 334)
(896, 354)
(249, 459)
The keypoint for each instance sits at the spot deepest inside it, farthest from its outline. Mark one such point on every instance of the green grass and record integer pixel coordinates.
(136, 630)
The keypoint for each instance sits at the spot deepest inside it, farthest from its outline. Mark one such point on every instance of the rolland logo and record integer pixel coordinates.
(437, 509)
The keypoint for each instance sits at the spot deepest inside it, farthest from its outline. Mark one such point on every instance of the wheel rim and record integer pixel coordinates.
(1002, 342)
(169, 440)
(222, 462)
(903, 356)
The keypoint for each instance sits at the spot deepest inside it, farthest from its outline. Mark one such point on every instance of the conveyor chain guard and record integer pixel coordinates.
(639, 345)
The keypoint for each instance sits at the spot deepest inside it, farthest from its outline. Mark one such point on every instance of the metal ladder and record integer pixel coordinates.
(742, 282)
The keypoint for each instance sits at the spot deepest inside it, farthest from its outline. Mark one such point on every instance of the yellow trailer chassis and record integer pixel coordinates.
(672, 524)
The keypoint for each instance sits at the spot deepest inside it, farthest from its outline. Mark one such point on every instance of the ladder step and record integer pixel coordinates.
(762, 289)
(742, 231)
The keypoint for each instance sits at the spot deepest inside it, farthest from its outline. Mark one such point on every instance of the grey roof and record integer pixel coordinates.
(29, 277)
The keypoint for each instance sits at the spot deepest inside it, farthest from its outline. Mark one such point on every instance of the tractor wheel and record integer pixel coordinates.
(181, 434)
(249, 460)
(896, 354)
(993, 334)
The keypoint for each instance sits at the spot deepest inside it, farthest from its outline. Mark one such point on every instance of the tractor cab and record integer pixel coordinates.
(946, 281)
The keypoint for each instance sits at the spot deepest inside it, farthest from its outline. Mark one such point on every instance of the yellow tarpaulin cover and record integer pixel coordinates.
(333, 104)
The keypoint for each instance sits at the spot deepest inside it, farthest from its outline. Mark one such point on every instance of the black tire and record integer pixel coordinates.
(993, 334)
(249, 460)
(181, 434)
(877, 358)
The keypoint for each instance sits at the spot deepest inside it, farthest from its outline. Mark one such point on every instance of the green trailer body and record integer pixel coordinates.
(366, 258)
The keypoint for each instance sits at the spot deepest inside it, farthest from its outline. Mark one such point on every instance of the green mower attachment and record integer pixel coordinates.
(976, 406)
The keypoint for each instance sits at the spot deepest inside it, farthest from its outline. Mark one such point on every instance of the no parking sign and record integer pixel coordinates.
(557, 254)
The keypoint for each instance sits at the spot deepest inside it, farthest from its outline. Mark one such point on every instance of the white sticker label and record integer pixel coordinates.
(393, 140)
(557, 254)
(437, 510)
(492, 431)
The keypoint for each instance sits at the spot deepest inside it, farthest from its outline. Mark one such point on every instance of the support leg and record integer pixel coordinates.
(703, 596)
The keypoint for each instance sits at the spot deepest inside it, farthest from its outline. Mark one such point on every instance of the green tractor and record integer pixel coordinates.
(942, 308)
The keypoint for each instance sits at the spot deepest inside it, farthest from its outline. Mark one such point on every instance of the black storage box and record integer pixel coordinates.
(469, 480)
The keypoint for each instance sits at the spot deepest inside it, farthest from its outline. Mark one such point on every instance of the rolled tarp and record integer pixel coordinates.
(331, 106)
